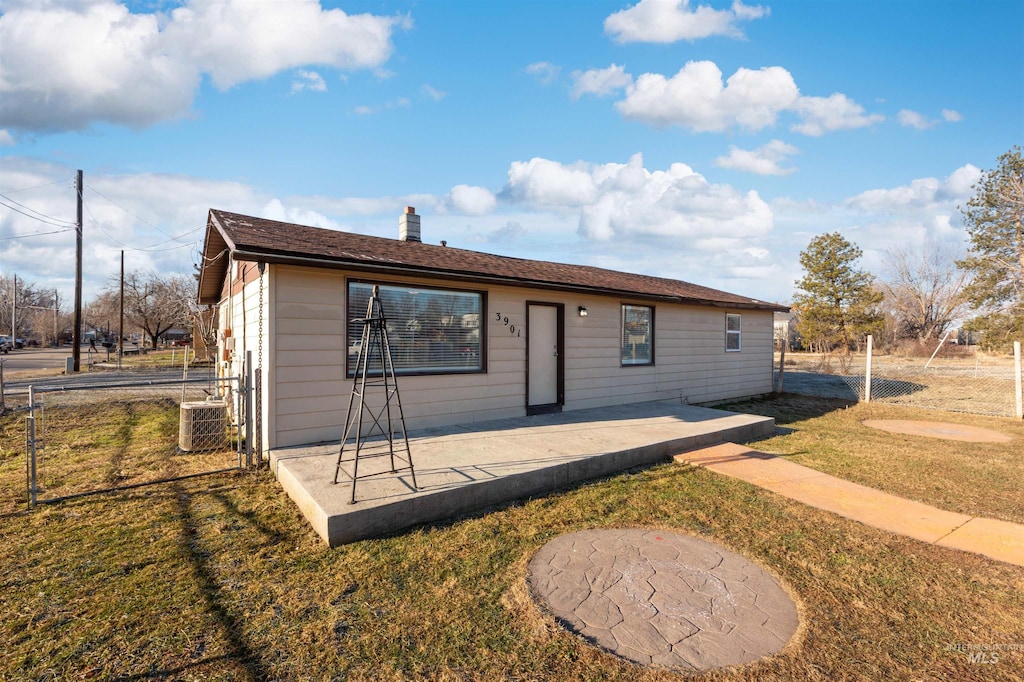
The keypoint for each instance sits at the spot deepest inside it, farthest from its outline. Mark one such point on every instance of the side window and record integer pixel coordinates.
(637, 346)
(733, 331)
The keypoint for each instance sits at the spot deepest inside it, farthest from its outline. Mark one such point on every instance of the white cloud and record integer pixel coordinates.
(697, 98)
(668, 21)
(275, 36)
(545, 72)
(509, 232)
(6, 139)
(275, 210)
(138, 213)
(544, 183)
(434, 93)
(470, 200)
(827, 114)
(68, 65)
(368, 109)
(912, 119)
(600, 82)
(960, 184)
(361, 207)
(952, 116)
(627, 199)
(308, 80)
(924, 195)
(764, 160)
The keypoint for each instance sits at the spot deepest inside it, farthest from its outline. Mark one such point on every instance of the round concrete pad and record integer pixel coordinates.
(664, 599)
(969, 434)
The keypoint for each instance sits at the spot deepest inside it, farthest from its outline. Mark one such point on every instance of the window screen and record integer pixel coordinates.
(429, 330)
(733, 329)
(637, 335)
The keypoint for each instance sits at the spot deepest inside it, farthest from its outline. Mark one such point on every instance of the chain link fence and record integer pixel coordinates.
(963, 380)
(77, 435)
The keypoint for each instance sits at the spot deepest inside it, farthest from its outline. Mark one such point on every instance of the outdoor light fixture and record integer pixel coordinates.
(583, 311)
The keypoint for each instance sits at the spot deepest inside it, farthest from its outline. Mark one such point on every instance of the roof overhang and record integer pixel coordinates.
(219, 250)
(216, 256)
(477, 278)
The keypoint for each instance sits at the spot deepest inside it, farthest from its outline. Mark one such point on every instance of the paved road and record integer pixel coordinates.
(35, 366)
(18, 361)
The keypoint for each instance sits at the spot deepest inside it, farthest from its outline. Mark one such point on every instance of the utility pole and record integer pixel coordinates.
(76, 333)
(120, 325)
(14, 312)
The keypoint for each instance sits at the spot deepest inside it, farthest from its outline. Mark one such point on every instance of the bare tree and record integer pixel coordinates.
(35, 317)
(103, 313)
(923, 291)
(156, 303)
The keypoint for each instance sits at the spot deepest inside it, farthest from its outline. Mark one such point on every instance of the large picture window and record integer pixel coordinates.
(637, 335)
(733, 331)
(431, 331)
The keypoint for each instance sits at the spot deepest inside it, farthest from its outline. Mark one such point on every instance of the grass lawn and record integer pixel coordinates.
(220, 578)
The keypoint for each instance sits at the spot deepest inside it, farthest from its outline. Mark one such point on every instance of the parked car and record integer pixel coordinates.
(5, 343)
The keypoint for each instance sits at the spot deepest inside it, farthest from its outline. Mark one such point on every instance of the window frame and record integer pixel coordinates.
(400, 371)
(734, 333)
(622, 335)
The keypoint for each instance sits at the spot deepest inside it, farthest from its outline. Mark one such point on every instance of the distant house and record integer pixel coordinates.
(474, 336)
(786, 330)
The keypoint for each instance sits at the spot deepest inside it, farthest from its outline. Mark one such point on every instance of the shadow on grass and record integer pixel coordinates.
(172, 673)
(788, 408)
(206, 580)
(273, 536)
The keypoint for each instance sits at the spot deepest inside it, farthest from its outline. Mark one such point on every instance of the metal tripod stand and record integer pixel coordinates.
(385, 422)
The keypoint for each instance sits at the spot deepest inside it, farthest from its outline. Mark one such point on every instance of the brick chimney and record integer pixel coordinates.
(409, 226)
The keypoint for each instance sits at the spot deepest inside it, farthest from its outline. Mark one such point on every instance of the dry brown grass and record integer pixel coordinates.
(220, 578)
(979, 479)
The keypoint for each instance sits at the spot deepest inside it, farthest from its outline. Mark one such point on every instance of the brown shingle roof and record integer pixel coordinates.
(258, 239)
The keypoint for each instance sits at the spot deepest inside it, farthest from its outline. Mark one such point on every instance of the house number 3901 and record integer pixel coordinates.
(512, 328)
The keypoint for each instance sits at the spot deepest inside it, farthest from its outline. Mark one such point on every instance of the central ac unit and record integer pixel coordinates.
(203, 426)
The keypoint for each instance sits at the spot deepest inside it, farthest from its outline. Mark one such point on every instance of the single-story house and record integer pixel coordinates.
(473, 336)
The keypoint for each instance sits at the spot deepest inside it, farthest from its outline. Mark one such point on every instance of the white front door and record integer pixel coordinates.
(544, 366)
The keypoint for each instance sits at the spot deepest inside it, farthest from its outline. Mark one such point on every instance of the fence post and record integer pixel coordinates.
(867, 371)
(1017, 380)
(30, 449)
(249, 411)
(782, 359)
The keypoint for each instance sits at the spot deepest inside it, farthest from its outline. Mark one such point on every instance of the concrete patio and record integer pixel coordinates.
(461, 469)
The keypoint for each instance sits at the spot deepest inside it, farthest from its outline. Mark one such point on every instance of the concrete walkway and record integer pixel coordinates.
(998, 540)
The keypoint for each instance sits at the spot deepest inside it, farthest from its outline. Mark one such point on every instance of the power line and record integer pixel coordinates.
(49, 220)
(149, 249)
(141, 220)
(37, 234)
(49, 217)
(25, 189)
(109, 236)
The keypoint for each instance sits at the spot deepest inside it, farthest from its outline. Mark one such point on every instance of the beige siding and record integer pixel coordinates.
(310, 393)
(240, 317)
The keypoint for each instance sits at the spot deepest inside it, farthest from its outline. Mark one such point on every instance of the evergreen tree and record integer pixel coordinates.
(837, 304)
(995, 261)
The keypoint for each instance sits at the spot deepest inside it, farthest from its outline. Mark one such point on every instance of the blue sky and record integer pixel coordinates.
(707, 142)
